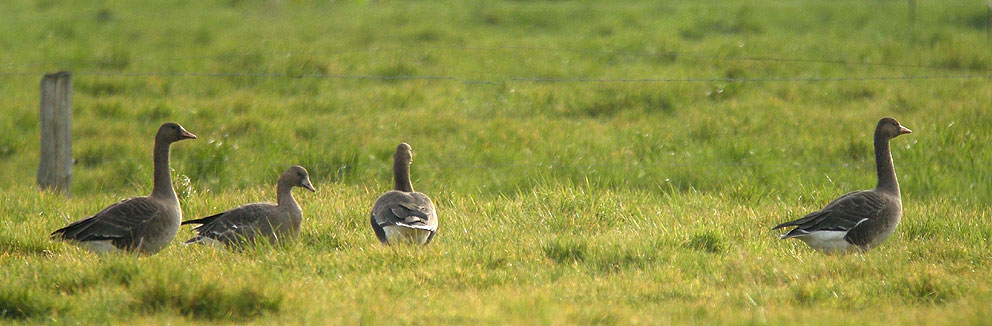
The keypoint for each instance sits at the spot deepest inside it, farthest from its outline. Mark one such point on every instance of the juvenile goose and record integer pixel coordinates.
(142, 225)
(402, 215)
(274, 222)
(861, 219)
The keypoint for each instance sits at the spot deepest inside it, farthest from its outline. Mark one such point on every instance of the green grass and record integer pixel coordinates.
(606, 203)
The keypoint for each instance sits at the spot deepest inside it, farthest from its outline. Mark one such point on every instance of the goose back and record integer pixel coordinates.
(135, 224)
(248, 223)
(409, 217)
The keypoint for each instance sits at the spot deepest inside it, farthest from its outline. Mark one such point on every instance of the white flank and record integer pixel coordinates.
(399, 234)
(100, 246)
(206, 241)
(827, 241)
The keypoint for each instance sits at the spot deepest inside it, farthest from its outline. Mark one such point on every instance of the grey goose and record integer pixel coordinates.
(402, 215)
(245, 224)
(859, 220)
(142, 225)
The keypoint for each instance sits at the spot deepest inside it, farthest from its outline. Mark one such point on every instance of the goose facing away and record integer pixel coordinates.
(861, 219)
(402, 215)
(141, 225)
(246, 223)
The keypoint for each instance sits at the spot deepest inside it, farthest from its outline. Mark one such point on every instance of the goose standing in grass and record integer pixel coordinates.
(861, 219)
(402, 215)
(243, 224)
(142, 225)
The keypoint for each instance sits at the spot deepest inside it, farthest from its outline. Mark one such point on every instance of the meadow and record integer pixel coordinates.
(593, 163)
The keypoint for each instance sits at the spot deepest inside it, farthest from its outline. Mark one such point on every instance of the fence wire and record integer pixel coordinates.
(514, 48)
(469, 81)
(949, 72)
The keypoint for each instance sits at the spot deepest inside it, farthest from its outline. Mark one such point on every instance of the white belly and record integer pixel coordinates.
(100, 246)
(827, 241)
(399, 234)
(211, 242)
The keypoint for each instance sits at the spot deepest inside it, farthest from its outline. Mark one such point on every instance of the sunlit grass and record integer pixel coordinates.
(606, 203)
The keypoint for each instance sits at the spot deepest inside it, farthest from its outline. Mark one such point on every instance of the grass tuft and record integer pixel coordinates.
(19, 302)
(708, 241)
(324, 241)
(810, 295)
(928, 288)
(615, 260)
(566, 251)
(199, 298)
(21, 246)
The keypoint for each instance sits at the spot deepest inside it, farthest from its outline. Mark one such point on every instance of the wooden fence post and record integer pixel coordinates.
(988, 20)
(912, 14)
(55, 169)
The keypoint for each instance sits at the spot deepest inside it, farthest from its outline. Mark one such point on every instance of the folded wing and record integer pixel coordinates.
(118, 223)
(241, 224)
(415, 211)
(842, 214)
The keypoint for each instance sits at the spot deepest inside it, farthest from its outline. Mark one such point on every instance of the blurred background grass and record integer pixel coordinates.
(593, 198)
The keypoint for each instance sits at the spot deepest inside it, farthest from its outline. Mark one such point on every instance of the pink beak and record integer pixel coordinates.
(188, 135)
(904, 130)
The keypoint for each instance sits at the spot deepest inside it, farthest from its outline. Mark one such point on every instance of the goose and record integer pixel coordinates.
(860, 220)
(402, 215)
(142, 225)
(243, 224)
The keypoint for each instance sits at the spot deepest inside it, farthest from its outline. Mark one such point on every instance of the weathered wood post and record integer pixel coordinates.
(55, 169)
(988, 20)
(912, 15)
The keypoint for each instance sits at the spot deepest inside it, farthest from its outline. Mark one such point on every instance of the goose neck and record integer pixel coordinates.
(401, 176)
(883, 166)
(284, 194)
(162, 179)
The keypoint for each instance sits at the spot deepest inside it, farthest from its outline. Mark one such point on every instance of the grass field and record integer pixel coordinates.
(585, 199)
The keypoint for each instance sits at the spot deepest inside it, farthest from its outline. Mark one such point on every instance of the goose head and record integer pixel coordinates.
(298, 177)
(403, 154)
(172, 132)
(890, 128)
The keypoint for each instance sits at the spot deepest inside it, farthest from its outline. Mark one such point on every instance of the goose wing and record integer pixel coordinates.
(413, 210)
(842, 214)
(243, 223)
(119, 222)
